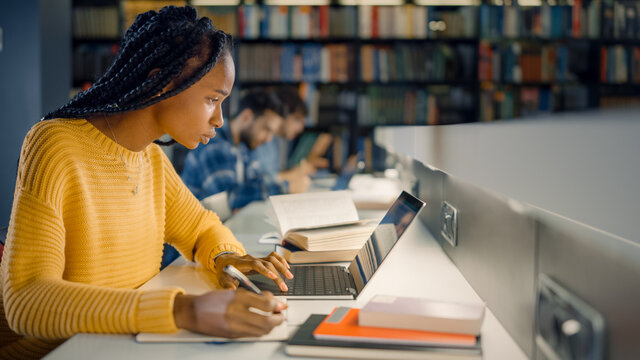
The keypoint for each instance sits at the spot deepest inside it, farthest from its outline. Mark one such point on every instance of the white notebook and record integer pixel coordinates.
(195, 280)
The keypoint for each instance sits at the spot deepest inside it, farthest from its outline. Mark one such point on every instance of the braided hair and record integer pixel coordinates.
(170, 40)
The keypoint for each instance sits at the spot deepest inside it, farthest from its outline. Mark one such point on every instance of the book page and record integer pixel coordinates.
(308, 210)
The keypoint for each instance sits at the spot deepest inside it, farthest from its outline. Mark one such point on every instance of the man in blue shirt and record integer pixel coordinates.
(273, 156)
(226, 164)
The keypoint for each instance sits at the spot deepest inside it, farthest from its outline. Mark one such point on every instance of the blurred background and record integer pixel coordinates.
(358, 65)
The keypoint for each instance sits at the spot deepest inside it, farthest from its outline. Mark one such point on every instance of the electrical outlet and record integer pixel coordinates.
(567, 327)
(449, 223)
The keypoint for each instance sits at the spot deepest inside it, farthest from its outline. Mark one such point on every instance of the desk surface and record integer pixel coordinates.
(417, 252)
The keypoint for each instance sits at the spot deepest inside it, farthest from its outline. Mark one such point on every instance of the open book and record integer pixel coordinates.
(319, 221)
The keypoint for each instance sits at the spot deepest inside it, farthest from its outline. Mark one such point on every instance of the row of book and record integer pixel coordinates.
(330, 105)
(517, 62)
(544, 21)
(252, 21)
(296, 62)
(90, 61)
(131, 8)
(380, 105)
(95, 22)
(416, 22)
(508, 102)
(411, 62)
(620, 64)
(620, 20)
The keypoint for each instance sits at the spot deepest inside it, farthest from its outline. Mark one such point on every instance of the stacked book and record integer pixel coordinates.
(393, 327)
(318, 226)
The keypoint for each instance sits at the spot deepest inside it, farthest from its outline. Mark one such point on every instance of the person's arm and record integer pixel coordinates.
(39, 302)
(196, 232)
(318, 151)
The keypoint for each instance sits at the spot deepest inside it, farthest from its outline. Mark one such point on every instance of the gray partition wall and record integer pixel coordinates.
(602, 269)
(506, 245)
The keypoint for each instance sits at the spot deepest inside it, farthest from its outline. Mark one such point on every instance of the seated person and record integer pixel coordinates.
(95, 199)
(273, 156)
(226, 164)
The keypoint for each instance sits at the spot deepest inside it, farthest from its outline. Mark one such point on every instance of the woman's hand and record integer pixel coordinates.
(228, 313)
(270, 266)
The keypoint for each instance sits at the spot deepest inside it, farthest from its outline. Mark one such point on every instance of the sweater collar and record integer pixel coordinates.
(102, 141)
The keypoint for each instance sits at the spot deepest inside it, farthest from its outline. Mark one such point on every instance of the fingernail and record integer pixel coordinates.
(272, 275)
(288, 267)
(284, 287)
(288, 274)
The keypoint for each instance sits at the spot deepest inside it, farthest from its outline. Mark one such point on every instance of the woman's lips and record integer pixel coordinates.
(205, 138)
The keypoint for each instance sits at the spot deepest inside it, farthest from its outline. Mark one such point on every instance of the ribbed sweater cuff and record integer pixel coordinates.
(220, 248)
(155, 311)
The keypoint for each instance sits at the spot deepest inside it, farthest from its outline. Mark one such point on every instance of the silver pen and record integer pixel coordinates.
(238, 275)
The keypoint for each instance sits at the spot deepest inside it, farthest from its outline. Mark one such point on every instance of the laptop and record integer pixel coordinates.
(339, 282)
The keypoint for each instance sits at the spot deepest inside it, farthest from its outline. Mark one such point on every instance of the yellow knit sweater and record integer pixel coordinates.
(80, 242)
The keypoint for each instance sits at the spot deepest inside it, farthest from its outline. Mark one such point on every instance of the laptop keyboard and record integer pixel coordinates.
(318, 280)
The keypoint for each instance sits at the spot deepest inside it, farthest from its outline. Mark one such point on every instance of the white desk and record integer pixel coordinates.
(428, 272)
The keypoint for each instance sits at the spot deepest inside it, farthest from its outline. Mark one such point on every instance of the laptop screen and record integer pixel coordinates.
(383, 238)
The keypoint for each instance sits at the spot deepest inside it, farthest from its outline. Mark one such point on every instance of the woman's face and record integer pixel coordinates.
(191, 116)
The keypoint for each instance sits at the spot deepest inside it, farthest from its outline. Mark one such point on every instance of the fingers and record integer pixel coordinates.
(270, 266)
(265, 302)
(253, 315)
(280, 264)
(268, 269)
(226, 281)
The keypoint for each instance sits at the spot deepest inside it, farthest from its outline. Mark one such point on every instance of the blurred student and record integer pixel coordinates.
(274, 156)
(95, 199)
(227, 164)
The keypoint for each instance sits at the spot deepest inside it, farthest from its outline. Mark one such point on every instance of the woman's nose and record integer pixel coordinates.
(217, 120)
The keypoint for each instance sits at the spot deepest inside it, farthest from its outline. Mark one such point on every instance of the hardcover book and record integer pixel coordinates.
(304, 344)
(422, 314)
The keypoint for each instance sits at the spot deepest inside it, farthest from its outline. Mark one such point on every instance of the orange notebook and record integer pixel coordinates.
(342, 324)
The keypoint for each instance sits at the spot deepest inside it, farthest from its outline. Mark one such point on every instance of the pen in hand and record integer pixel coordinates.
(248, 284)
(238, 275)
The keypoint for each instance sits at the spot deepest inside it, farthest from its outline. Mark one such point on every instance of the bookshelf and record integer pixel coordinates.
(362, 66)
(96, 34)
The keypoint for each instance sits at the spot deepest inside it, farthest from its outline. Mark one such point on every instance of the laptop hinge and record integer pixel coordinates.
(352, 291)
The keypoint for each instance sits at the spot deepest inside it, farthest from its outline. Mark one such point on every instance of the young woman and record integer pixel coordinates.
(95, 199)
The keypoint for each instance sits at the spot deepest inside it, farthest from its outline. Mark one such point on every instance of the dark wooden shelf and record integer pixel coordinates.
(358, 83)
(88, 40)
(536, 39)
(354, 40)
(613, 41)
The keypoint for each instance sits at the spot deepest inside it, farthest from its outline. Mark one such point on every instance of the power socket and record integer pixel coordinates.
(449, 223)
(567, 328)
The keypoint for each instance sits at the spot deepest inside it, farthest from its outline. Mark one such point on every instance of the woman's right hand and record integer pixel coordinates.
(227, 313)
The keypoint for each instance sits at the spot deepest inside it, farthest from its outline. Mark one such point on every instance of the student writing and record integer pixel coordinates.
(95, 199)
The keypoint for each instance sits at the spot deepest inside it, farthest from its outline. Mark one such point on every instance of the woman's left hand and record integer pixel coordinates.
(270, 266)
